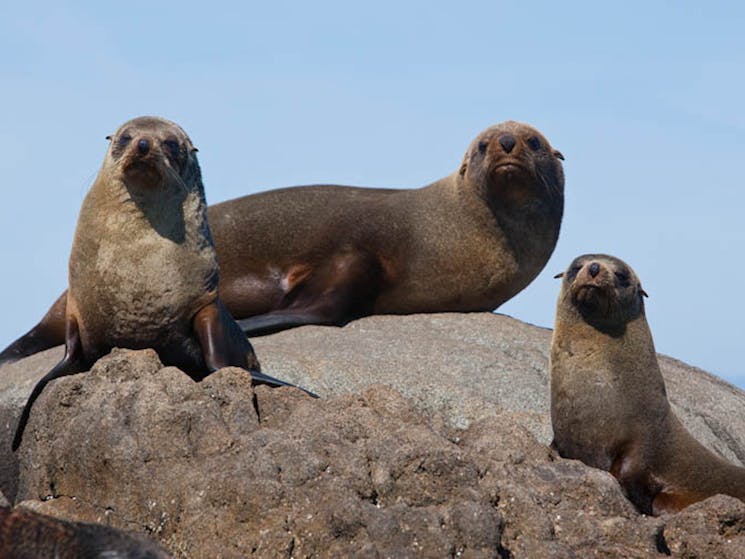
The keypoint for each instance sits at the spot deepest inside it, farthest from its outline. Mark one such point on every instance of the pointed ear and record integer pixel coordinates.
(644, 293)
(558, 154)
(462, 170)
(559, 275)
(108, 137)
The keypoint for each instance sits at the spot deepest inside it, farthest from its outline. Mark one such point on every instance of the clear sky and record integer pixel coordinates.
(645, 100)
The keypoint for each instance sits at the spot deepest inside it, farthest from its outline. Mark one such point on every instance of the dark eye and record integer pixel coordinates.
(623, 279)
(172, 146)
(534, 143)
(482, 146)
(572, 273)
(123, 140)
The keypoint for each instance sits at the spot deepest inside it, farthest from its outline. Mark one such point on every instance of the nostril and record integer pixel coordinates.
(594, 269)
(507, 141)
(143, 146)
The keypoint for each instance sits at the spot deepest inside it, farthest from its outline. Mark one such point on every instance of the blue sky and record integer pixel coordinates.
(645, 100)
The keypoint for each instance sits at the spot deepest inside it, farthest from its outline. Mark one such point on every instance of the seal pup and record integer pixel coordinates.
(609, 407)
(143, 271)
(29, 535)
(328, 254)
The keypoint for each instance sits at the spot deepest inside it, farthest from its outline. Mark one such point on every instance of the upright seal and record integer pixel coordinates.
(330, 254)
(609, 407)
(143, 271)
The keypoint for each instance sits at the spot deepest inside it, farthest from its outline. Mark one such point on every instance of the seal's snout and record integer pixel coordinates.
(143, 146)
(594, 269)
(507, 141)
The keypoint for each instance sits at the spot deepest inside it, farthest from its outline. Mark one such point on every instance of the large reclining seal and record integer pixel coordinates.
(143, 271)
(609, 407)
(330, 254)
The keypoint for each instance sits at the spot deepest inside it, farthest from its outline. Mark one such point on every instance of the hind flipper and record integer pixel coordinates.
(73, 362)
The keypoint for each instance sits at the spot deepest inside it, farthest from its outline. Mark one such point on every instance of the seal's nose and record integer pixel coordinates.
(143, 146)
(507, 141)
(594, 269)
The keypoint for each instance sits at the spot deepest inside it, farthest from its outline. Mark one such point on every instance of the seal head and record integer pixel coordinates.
(514, 164)
(604, 290)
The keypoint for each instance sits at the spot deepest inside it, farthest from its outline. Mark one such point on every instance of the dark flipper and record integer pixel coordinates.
(49, 332)
(224, 345)
(72, 363)
(276, 321)
(343, 288)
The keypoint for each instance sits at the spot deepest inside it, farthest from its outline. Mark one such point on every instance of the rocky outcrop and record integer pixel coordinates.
(429, 441)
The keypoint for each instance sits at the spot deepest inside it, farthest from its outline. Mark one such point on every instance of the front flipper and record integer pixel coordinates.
(224, 345)
(276, 321)
(73, 362)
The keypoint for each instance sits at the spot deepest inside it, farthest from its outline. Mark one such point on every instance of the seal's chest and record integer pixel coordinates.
(143, 283)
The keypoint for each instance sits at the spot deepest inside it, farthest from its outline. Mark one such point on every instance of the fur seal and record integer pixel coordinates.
(143, 271)
(327, 254)
(29, 535)
(609, 407)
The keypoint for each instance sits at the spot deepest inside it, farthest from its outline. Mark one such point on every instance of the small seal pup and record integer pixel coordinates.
(328, 254)
(143, 271)
(29, 535)
(609, 407)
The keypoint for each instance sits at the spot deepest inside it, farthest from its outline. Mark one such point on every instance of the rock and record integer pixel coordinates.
(27, 535)
(16, 382)
(451, 462)
(712, 528)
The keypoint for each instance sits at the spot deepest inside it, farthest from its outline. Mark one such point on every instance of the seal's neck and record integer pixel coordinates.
(171, 209)
(529, 224)
(629, 359)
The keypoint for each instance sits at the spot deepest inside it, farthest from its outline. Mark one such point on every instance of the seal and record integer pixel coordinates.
(26, 534)
(143, 271)
(328, 254)
(609, 407)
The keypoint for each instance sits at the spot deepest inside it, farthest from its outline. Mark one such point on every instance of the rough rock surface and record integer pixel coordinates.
(457, 468)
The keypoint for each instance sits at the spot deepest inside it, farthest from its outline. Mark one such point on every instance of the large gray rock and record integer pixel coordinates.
(454, 468)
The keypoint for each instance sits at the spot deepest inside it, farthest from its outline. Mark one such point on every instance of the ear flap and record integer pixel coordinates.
(559, 275)
(463, 167)
(108, 137)
(558, 154)
(644, 293)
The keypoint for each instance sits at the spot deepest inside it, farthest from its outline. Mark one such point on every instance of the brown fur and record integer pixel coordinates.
(28, 535)
(330, 254)
(143, 271)
(609, 407)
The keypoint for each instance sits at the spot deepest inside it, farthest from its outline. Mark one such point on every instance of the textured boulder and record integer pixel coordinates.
(457, 466)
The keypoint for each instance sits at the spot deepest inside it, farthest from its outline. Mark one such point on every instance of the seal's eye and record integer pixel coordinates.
(623, 279)
(123, 140)
(534, 143)
(482, 146)
(572, 273)
(172, 146)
